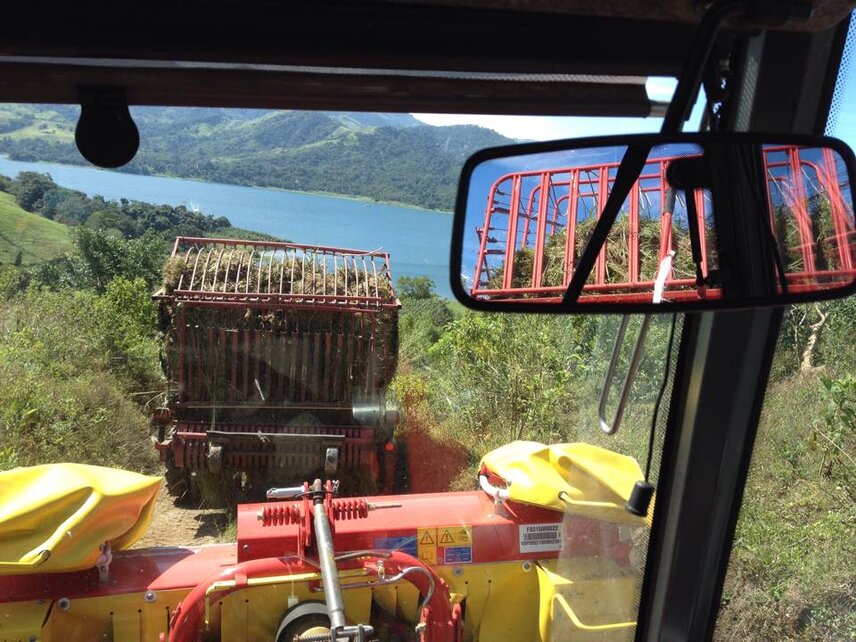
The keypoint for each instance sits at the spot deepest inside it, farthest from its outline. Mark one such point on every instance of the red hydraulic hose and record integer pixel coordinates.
(184, 624)
(442, 620)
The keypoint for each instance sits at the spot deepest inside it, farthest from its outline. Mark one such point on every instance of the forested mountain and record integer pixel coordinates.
(390, 157)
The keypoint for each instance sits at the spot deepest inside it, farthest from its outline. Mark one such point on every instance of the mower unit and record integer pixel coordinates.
(545, 551)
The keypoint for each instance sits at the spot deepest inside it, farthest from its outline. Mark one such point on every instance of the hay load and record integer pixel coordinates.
(277, 325)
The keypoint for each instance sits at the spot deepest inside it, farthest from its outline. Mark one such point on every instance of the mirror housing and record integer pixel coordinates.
(655, 223)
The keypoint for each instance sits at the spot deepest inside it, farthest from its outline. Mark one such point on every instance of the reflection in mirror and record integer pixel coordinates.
(529, 218)
(810, 202)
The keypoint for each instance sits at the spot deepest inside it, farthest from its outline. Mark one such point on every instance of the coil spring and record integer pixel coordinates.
(280, 515)
(350, 508)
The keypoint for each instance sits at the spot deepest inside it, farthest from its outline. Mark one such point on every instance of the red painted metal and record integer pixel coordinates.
(133, 571)
(277, 539)
(276, 338)
(798, 179)
(495, 534)
(442, 621)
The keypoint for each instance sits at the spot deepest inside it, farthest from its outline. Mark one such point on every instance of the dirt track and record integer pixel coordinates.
(182, 526)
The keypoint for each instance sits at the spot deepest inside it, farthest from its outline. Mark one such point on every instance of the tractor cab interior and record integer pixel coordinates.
(549, 514)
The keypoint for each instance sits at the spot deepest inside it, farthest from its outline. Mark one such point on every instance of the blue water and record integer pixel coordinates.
(417, 240)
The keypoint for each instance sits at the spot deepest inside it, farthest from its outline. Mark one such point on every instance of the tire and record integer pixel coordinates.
(304, 619)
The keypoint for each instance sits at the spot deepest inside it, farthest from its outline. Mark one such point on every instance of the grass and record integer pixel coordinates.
(67, 394)
(29, 238)
(46, 124)
(792, 574)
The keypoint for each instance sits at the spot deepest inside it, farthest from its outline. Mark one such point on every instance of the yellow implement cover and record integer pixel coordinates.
(582, 478)
(55, 517)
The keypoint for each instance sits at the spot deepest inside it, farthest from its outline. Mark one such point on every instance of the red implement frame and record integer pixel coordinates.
(279, 342)
(526, 210)
(249, 275)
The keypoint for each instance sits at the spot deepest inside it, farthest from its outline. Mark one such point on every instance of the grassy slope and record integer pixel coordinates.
(45, 124)
(36, 238)
(792, 574)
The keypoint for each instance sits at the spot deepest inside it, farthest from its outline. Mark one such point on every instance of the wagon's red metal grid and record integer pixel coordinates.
(517, 201)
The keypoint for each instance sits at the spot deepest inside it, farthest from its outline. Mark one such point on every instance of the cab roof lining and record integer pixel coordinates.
(825, 14)
(289, 55)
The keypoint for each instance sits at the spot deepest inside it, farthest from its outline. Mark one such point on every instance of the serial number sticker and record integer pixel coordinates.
(540, 538)
(458, 554)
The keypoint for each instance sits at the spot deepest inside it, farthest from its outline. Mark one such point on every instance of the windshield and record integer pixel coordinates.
(260, 299)
(792, 569)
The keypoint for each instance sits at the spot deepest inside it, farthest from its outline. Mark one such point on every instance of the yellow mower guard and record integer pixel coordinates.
(55, 517)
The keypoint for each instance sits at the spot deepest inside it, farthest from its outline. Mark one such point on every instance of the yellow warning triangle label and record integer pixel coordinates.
(426, 538)
(447, 537)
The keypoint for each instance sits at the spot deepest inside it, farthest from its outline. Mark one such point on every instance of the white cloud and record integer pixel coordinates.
(545, 127)
(557, 127)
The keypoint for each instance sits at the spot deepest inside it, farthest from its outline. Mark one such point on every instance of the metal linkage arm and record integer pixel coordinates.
(635, 360)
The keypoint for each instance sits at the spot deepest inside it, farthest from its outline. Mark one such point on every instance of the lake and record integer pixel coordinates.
(416, 239)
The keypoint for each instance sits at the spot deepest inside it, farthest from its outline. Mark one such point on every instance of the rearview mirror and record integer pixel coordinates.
(655, 223)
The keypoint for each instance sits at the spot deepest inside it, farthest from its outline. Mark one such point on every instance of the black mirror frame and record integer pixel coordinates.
(459, 221)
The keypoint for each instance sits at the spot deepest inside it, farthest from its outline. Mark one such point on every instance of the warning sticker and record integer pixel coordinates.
(445, 545)
(426, 545)
(540, 538)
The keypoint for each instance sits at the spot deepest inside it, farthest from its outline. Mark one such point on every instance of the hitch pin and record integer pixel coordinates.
(380, 505)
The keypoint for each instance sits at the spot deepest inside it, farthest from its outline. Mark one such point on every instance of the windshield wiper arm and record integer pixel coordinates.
(628, 172)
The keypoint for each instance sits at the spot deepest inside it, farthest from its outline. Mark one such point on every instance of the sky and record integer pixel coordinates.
(556, 127)
(842, 124)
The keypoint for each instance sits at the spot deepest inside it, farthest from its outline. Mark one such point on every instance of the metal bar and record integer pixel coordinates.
(195, 265)
(292, 364)
(218, 436)
(250, 263)
(242, 298)
(633, 235)
(282, 351)
(187, 240)
(304, 365)
(842, 224)
(524, 240)
(635, 360)
(329, 571)
(483, 240)
(233, 392)
(571, 230)
(540, 232)
(511, 236)
(326, 392)
(804, 226)
(339, 347)
(315, 379)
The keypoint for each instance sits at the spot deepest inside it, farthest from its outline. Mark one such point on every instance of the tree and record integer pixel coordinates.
(415, 287)
(30, 188)
(103, 256)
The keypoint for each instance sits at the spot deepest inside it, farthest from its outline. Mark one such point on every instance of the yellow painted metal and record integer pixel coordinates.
(587, 598)
(583, 478)
(577, 598)
(22, 621)
(274, 580)
(56, 517)
(501, 600)
(125, 618)
(255, 613)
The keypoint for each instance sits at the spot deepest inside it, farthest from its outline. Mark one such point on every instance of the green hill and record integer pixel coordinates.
(27, 238)
(387, 157)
